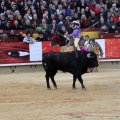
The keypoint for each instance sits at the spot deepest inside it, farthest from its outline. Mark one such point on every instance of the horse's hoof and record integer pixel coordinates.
(83, 88)
(55, 87)
(74, 88)
(49, 88)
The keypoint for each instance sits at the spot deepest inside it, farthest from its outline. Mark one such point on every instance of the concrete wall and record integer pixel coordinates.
(21, 69)
(111, 64)
(38, 67)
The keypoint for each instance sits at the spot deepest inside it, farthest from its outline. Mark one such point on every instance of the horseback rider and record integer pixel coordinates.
(76, 34)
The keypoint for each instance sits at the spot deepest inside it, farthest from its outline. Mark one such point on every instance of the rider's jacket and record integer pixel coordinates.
(76, 32)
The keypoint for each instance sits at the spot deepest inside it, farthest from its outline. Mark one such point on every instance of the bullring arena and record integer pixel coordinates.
(24, 96)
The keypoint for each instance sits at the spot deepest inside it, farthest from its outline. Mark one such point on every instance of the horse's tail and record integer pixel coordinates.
(100, 49)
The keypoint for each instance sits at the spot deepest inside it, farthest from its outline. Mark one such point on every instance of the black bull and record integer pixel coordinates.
(76, 63)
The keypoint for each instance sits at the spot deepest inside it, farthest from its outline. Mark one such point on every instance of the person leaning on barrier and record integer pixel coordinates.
(76, 34)
(87, 41)
(29, 39)
(3, 35)
(40, 37)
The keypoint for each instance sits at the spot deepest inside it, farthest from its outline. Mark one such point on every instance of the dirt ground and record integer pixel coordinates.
(24, 96)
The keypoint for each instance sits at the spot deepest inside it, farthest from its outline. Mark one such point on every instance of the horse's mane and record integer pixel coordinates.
(58, 39)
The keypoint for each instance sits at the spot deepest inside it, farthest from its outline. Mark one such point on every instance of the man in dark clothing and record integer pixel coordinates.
(92, 20)
(12, 34)
(20, 37)
(16, 26)
(113, 29)
(40, 37)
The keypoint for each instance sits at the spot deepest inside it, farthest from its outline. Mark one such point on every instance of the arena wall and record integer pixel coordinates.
(37, 67)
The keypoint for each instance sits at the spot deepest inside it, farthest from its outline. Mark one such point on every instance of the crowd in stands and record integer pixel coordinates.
(48, 16)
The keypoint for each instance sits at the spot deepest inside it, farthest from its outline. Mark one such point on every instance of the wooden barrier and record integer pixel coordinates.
(13, 39)
(109, 35)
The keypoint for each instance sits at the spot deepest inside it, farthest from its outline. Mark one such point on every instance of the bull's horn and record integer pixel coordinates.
(89, 55)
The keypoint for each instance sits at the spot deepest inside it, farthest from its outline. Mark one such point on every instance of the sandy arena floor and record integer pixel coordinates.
(24, 96)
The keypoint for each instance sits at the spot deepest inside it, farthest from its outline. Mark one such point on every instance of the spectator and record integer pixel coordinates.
(64, 13)
(111, 22)
(87, 41)
(45, 34)
(35, 19)
(8, 4)
(75, 17)
(104, 29)
(52, 32)
(84, 21)
(113, 29)
(97, 9)
(68, 10)
(72, 14)
(92, 5)
(16, 14)
(116, 17)
(37, 6)
(53, 25)
(68, 26)
(16, 26)
(118, 24)
(62, 30)
(66, 35)
(101, 23)
(111, 12)
(60, 18)
(11, 18)
(3, 35)
(7, 26)
(87, 12)
(41, 12)
(14, 8)
(20, 21)
(87, 2)
(83, 4)
(78, 11)
(51, 19)
(92, 19)
(114, 7)
(7, 14)
(28, 25)
(34, 25)
(35, 11)
(2, 26)
(44, 25)
(45, 17)
(29, 15)
(20, 36)
(29, 39)
(2, 7)
(40, 37)
(51, 11)
(59, 10)
(12, 34)
(3, 19)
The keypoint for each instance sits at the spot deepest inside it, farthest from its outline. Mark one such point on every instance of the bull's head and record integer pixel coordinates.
(92, 61)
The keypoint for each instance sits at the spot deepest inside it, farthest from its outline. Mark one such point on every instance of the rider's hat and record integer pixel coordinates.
(76, 22)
